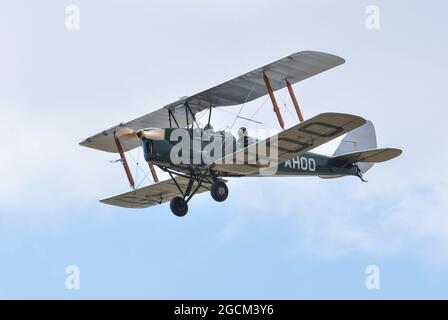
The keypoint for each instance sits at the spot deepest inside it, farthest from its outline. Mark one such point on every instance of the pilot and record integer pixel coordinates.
(207, 132)
(243, 139)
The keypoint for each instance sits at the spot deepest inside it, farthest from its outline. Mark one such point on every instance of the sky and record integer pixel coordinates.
(273, 238)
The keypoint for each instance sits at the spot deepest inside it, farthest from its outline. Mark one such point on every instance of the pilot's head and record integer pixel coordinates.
(208, 126)
(242, 132)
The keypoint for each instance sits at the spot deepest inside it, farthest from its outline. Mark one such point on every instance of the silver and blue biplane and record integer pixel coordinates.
(199, 159)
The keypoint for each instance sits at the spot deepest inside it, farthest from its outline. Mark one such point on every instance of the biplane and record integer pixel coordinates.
(199, 159)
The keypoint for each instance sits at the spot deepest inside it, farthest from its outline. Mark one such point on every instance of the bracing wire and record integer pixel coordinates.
(137, 163)
(242, 106)
(256, 111)
(201, 116)
(284, 104)
(139, 167)
(146, 175)
(241, 117)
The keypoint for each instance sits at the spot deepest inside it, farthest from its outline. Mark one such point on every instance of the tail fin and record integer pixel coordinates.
(360, 139)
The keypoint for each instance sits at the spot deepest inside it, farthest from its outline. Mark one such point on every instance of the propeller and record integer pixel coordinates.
(124, 133)
(151, 134)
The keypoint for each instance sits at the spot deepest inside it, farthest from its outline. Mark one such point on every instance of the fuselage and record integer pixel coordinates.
(166, 153)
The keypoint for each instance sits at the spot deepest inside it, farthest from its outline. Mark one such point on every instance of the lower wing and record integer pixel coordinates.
(154, 194)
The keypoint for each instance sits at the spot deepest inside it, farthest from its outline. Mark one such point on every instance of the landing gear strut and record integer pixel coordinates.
(219, 191)
(179, 206)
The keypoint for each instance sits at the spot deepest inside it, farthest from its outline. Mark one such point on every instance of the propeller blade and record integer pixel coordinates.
(128, 133)
(152, 134)
(125, 133)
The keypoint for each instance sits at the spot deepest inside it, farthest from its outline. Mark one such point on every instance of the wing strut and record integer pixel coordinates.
(274, 102)
(124, 162)
(294, 100)
(171, 116)
(153, 173)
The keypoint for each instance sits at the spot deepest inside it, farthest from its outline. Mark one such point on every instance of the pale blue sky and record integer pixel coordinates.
(273, 238)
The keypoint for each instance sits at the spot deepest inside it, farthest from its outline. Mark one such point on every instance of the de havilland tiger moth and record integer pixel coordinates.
(199, 159)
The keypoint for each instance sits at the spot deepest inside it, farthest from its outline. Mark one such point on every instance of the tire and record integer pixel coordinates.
(219, 191)
(179, 206)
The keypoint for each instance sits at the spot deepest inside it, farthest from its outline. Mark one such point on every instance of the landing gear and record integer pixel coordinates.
(219, 191)
(187, 189)
(179, 206)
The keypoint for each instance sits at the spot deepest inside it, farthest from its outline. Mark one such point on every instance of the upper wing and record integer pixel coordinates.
(157, 193)
(375, 155)
(290, 143)
(250, 86)
(245, 88)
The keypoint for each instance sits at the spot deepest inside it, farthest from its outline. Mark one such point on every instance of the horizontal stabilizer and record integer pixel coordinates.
(371, 156)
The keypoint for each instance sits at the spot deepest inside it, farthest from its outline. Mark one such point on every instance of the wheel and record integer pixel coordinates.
(179, 206)
(219, 191)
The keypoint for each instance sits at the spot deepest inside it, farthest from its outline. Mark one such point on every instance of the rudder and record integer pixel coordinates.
(360, 139)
